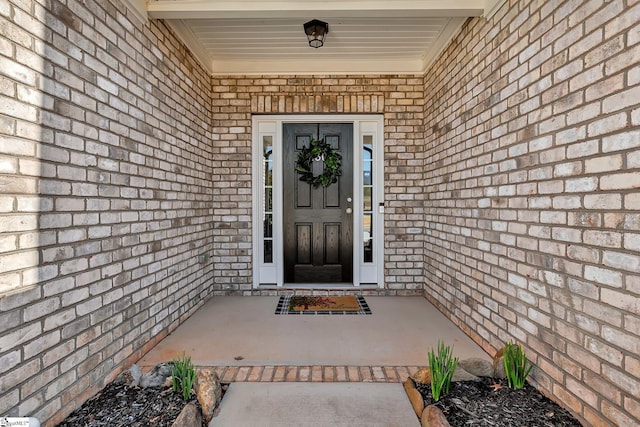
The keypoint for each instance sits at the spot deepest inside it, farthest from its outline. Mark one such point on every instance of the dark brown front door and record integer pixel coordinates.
(318, 224)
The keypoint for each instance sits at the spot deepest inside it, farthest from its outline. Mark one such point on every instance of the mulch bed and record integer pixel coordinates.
(124, 405)
(490, 402)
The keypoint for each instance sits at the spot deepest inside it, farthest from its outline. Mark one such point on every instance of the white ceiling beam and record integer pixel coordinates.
(225, 9)
(450, 31)
(191, 41)
(330, 67)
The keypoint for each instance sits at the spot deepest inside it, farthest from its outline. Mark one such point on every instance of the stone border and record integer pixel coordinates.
(467, 370)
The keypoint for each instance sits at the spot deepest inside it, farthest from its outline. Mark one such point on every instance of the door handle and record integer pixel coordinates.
(349, 211)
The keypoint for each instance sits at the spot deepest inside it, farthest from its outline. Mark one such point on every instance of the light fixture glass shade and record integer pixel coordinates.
(316, 32)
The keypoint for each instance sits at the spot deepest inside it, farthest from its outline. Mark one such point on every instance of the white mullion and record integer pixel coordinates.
(278, 205)
(357, 203)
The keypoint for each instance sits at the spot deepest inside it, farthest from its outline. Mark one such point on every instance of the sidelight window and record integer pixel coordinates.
(367, 198)
(267, 203)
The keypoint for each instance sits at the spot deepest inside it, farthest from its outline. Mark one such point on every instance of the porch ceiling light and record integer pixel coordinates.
(316, 31)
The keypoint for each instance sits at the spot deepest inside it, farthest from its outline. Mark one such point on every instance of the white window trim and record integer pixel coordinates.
(363, 124)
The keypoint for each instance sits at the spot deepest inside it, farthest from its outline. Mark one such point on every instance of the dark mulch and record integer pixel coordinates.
(124, 405)
(490, 402)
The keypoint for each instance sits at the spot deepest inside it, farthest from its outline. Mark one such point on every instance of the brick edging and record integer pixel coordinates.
(315, 373)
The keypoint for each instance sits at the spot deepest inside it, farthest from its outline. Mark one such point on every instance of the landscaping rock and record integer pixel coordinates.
(189, 417)
(131, 376)
(136, 374)
(476, 366)
(158, 375)
(498, 364)
(209, 392)
(461, 375)
(432, 416)
(423, 376)
(169, 382)
(414, 396)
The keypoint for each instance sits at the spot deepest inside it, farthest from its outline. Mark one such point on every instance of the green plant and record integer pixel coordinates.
(184, 375)
(319, 150)
(442, 367)
(516, 365)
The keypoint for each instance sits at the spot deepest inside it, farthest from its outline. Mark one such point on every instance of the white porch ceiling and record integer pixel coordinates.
(365, 37)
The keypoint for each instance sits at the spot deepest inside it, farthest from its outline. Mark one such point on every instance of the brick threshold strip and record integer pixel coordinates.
(316, 373)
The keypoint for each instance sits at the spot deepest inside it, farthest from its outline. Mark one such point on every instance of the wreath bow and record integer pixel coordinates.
(319, 150)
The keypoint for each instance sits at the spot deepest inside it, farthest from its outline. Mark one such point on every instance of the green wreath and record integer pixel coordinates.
(319, 151)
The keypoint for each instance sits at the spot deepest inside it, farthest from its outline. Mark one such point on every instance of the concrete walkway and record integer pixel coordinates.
(315, 405)
(313, 370)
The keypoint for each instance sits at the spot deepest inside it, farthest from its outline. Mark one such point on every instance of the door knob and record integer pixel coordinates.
(349, 199)
(349, 210)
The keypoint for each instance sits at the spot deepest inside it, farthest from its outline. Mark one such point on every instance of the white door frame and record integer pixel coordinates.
(366, 127)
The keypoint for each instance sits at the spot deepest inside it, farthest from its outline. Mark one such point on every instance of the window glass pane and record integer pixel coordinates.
(267, 145)
(367, 175)
(367, 143)
(367, 237)
(367, 161)
(366, 199)
(268, 200)
(268, 173)
(267, 160)
(268, 225)
(267, 203)
(268, 251)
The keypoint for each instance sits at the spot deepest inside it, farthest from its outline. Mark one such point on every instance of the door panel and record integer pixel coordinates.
(332, 243)
(318, 231)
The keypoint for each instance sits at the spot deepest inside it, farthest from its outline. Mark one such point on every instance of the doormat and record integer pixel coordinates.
(312, 305)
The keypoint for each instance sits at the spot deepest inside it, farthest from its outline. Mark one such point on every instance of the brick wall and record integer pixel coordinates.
(125, 192)
(105, 197)
(533, 177)
(399, 98)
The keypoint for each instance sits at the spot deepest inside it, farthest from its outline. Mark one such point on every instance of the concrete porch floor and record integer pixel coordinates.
(315, 371)
(244, 331)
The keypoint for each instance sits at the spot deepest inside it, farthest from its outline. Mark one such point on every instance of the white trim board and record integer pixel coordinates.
(271, 127)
